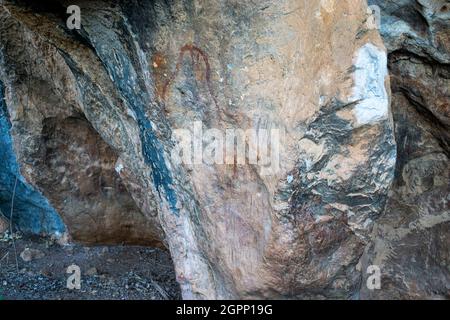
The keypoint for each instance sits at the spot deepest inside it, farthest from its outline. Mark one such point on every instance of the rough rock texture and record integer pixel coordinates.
(60, 152)
(114, 92)
(412, 238)
(4, 225)
(76, 169)
(32, 212)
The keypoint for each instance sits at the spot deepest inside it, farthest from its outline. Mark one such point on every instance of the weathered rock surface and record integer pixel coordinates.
(75, 168)
(111, 95)
(4, 225)
(60, 152)
(32, 212)
(412, 238)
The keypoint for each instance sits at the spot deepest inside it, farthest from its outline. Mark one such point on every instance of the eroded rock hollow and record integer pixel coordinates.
(254, 140)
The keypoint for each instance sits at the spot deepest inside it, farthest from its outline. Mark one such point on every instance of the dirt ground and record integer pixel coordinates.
(108, 272)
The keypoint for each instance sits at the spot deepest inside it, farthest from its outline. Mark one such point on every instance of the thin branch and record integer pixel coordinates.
(11, 223)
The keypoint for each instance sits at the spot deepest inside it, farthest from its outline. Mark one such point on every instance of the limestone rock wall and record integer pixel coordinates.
(31, 212)
(411, 239)
(97, 113)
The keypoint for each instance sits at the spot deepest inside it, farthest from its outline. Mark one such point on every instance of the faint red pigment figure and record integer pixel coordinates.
(196, 54)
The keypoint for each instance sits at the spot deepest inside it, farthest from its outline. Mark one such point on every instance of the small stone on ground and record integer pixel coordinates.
(107, 273)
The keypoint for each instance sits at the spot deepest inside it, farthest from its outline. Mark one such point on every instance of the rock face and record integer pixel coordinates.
(412, 238)
(31, 211)
(288, 219)
(4, 225)
(255, 141)
(76, 169)
(60, 153)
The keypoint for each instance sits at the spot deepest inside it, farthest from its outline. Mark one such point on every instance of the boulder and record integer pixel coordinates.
(31, 211)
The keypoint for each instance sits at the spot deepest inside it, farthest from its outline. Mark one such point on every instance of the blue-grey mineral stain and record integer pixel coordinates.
(32, 212)
(118, 62)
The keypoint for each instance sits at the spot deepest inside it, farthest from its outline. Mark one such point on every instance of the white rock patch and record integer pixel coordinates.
(370, 75)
